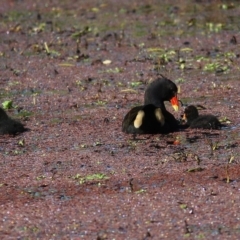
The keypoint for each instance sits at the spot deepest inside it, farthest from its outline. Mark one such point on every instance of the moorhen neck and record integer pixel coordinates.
(8, 125)
(194, 120)
(160, 90)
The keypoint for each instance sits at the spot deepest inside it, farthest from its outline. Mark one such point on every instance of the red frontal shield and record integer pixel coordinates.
(174, 102)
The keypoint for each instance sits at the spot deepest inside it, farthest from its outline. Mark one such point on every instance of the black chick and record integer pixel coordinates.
(9, 125)
(194, 120)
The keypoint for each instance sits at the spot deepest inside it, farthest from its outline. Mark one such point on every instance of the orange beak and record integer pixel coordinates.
(175, 103)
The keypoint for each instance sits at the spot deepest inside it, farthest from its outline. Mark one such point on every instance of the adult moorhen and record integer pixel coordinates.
(144, 119)
(194, 120)
(9, 125)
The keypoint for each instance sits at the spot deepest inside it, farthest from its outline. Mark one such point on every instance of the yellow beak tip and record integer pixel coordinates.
(175, 107)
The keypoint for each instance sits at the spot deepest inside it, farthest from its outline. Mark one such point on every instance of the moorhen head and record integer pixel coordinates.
(160, 90)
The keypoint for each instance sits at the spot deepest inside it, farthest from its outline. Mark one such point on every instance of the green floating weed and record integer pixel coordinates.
(79, 34)
(140, 191)
(29, 229)
(97, 143)
(230, 55)
(51, 52)
(21, 143)
(8, 104)
(186, 49)
(225, 120)
(197, 169)
(180, 80)
(96, 176)
(216, 66)
(200, 236)
(24, 114)
(114, 70)
(17, 152)
(135, 84)
(92, 177)
(39, 28)
(183, 206)
(214, 27)
(186, 235)
(181, 63)
(227, 6)
(100, 103)
(155, 50)
(66, 64)
(40, 177)
(164, 56)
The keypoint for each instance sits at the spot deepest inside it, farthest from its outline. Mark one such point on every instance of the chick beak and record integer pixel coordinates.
(184, 117)
(175, 103)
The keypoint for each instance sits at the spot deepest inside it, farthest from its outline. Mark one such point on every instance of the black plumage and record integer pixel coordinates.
(146, 119)
(194, 120)
(9, 125)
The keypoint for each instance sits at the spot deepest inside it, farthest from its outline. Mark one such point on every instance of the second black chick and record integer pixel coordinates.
(194, 120)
